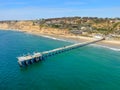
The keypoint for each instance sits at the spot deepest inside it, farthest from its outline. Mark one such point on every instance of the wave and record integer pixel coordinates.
(111, 48)
(71, 41)
(54, 38)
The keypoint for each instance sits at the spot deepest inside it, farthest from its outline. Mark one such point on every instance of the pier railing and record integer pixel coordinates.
(29, 59)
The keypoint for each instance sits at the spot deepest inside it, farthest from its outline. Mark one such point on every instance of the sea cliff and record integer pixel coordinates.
(42, 29)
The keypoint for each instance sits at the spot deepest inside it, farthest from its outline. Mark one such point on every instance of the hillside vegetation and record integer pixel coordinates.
(85, 26)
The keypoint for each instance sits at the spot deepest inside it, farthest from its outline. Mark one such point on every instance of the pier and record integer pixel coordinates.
(39, 56)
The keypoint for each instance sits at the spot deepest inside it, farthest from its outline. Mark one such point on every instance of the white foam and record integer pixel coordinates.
(115, 49)
(65, 40)
(71, 41)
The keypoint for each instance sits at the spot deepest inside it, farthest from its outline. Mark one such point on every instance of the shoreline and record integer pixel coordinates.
(73, 39)
(99, 44)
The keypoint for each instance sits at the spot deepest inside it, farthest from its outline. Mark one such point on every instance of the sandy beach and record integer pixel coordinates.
(111, 44)
(114, 45)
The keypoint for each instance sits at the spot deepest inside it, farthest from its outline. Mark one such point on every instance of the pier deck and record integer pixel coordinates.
(29, 59)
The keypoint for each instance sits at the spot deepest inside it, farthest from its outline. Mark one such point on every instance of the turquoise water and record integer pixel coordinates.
(86, 68)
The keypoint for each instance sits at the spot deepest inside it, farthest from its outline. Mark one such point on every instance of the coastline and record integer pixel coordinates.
(103, 44)
(113, 45)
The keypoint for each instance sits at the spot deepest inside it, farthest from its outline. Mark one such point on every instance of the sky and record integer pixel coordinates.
(35, 9)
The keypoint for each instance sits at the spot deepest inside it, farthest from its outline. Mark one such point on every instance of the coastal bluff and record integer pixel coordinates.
(75, 28)
(68, 26)
(28, 26)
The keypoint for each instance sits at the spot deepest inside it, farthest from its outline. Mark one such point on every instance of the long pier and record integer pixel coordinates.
(35, 57)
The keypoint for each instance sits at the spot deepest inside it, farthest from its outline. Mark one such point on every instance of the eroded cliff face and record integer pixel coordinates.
(28, 26)
(45, 28)
(22, 25)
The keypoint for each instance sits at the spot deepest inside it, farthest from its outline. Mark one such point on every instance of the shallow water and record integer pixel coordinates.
(85, 68)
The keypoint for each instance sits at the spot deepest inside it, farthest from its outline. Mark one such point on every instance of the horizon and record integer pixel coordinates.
(31, 10)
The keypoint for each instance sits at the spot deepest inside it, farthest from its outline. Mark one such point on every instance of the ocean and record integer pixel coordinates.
(86, 68)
